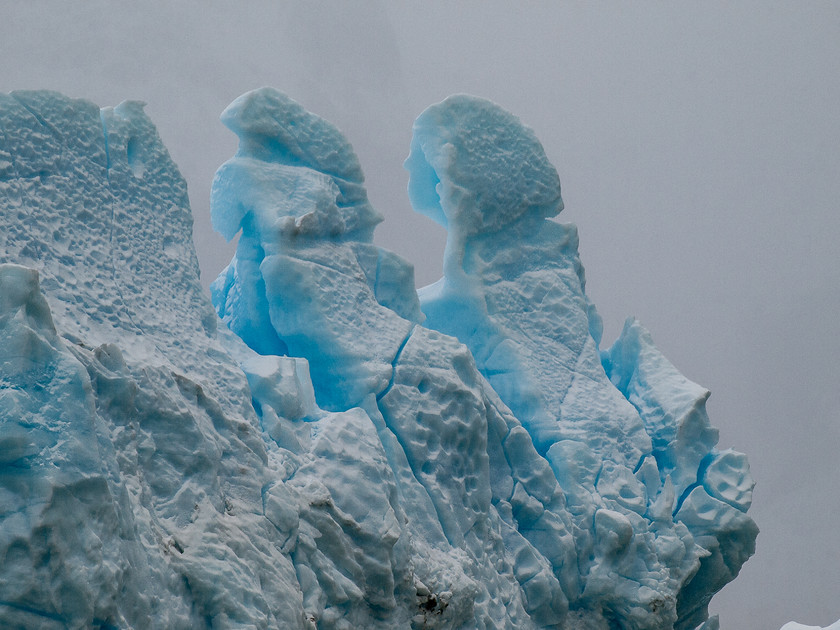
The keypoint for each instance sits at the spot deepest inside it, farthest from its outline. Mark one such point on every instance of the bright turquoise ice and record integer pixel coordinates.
(355, 463)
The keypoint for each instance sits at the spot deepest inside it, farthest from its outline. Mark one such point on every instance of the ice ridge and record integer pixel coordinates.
(332, 456)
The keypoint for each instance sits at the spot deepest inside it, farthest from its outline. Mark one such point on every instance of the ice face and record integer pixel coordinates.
(330, 456)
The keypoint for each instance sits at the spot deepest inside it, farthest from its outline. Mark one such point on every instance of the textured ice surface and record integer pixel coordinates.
(798, 626)
(626, 435)
(295, 191)
(134, 467)
(354, 463)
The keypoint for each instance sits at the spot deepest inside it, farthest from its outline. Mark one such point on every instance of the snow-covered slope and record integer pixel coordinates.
(331, 456)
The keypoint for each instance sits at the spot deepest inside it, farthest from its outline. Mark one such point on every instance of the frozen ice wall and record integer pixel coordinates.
(331, 455)
(133, 472)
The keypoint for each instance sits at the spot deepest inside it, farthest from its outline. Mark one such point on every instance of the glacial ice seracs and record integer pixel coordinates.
(338, 453)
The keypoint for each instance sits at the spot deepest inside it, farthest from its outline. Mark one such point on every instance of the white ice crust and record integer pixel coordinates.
(330, 455)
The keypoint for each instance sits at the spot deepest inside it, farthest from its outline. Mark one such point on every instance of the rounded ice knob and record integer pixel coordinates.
(474, 167)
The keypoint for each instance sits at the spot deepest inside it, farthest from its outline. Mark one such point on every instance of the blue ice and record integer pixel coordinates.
(335, 449)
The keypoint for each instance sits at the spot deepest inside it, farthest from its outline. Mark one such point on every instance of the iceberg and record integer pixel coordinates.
(323, 446)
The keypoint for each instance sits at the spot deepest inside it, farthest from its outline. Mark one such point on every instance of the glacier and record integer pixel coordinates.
(323, 446)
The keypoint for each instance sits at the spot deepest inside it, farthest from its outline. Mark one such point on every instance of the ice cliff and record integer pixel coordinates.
(327, 449)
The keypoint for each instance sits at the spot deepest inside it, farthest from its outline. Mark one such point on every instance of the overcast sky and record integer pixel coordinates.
(698, 144)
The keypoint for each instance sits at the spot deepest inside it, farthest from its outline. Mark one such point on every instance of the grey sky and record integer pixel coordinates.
(699, 149)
